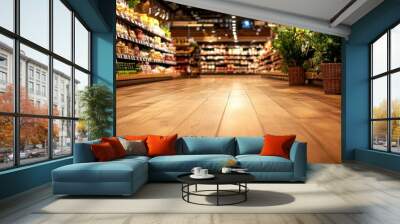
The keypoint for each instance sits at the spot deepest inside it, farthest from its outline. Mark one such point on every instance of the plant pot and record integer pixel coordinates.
(332, 77)
(296, 76)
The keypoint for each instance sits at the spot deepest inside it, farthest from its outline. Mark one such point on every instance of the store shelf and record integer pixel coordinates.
(142, 59)
(143, 43)
(133, 23)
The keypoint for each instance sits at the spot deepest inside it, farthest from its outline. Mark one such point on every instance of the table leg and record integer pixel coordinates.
(217, 194)
(245, 193)
(195, 188)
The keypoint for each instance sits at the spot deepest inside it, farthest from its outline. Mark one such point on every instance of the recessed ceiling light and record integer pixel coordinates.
(233, 17)
(213, 31)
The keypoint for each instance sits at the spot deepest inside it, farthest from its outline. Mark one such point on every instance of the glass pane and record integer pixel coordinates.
(81, 131)
(379, 97)
(62, 89)
(62, 138)
(379, 135)
(35, 21)
(395, 94)
(33, 140)
(6, 74)
(81, 45)
(379, 55)
(6, 142)
(7, 14)
(34, 78)
(81, 81)
(62, 28)
(395, 129)
(395, 47)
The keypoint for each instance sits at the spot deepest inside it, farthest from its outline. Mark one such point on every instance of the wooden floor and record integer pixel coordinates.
(376, 190)
(234, 106)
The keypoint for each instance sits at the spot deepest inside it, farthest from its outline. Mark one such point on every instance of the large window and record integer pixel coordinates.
(44, 64)
(385, 91)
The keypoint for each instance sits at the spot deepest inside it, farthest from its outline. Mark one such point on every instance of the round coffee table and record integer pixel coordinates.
(238, 179)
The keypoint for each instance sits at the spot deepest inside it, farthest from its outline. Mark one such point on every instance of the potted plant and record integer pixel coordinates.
(293, 46)
(327, 55)
(96, 102)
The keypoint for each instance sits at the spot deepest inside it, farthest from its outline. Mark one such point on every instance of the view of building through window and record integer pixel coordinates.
(41, 84)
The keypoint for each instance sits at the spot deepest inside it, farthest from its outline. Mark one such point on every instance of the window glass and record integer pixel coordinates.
(39, 62)
(81, 82)
(35, 21)
(62, 28)
(379, 135)
(395, 136)
(33, 140)
(395, 47)
(6, 142)
(395, 95)
(81, 45)
(379, 97)
(7, 14)
(62, 138)
(62, 89)
(81, 131)
(6, 74)
(379, 56)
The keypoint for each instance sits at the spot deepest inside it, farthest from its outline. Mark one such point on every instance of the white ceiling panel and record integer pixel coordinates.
(326, 16)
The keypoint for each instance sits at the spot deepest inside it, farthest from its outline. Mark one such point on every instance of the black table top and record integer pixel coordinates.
(220, 178)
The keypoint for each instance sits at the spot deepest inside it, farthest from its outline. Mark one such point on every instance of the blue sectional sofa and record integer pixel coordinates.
(125, 176)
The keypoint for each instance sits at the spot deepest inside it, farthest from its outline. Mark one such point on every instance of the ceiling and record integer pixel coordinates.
(326, 16)
(206, 26)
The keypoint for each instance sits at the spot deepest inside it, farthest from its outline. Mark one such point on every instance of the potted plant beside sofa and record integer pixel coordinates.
(327, 53)
(293, 46)
(96, 102)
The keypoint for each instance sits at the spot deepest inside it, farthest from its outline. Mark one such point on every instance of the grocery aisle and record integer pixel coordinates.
(233, 106)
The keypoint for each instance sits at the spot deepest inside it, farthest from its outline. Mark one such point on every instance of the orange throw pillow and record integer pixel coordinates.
(103, 152)
(161, 145)
(277, 145)
(136, 137)
(116, 145)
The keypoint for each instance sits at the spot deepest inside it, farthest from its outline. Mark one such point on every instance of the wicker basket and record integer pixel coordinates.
(296, 76)
(332, 76)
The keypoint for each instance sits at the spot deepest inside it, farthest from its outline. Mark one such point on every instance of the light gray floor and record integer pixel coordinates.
(378, 189)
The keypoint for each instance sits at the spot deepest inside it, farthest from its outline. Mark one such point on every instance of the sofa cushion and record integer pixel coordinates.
(134, 147)
(257, 163)
(119, 170)
(206, 145)
(249, 145)
(161, 145)
(185, 163)
(275, 145)
(116, 145)
(103, 152)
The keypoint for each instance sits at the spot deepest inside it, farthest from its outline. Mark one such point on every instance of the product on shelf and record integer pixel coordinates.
(235, 59)
(142, 20)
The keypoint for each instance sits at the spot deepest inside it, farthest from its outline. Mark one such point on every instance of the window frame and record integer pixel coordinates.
(388, 74)
(16, 113)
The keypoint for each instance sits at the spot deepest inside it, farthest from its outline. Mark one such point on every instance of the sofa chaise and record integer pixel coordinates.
(125, 176)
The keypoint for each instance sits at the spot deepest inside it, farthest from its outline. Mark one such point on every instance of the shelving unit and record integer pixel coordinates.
(270, 63)
(187, 57)
(229, 59)
(144, 49)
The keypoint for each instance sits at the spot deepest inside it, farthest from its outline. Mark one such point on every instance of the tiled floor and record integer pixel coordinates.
(234, 106)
